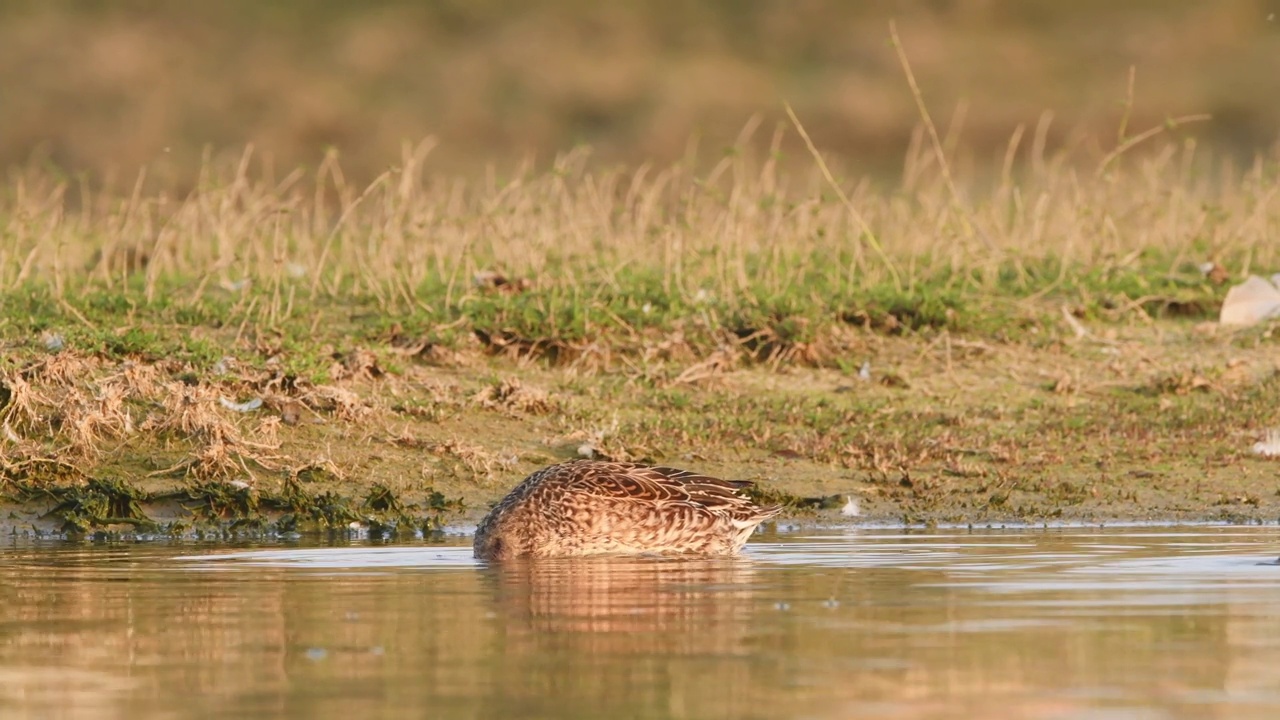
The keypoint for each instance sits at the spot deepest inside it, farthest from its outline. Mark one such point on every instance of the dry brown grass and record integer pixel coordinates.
(86, 410)
(743, 232)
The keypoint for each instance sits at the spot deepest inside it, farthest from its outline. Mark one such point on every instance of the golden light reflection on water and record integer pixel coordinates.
(1029, 624)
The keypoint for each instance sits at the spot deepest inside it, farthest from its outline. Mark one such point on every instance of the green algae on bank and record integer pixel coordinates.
(118, 507)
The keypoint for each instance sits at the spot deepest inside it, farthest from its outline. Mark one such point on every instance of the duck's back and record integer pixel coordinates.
(588, 507)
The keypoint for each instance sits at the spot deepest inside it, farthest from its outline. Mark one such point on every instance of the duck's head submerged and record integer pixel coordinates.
(501, 536)
(492, 546)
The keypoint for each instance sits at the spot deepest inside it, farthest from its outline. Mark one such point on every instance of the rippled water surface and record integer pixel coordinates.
(1067, 623)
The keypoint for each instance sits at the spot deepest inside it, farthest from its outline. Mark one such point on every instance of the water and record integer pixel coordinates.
(1069, 623)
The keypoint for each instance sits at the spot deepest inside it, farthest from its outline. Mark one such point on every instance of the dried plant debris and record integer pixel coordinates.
(1181, 383)
(422, 347)
(720, 362)
(345, 405)
(460, 457)
(604, 442)
(89, 420)
(358, 364)
(190, 411)
(89, 413)
(21, 405)
(514, 396)
(321, 469)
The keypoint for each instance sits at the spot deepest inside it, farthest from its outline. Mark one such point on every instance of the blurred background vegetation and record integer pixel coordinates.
(105, 87)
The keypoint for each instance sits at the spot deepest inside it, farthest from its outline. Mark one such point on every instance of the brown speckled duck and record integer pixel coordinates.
(591, 507)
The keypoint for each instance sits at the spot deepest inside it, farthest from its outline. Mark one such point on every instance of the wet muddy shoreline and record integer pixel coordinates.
(1158, 424)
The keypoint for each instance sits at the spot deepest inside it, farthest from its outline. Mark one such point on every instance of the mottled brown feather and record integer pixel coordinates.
(586, 507)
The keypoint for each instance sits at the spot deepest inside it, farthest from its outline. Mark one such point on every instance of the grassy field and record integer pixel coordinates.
(267, 352)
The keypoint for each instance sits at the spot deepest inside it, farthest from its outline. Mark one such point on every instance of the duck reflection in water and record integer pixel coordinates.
(632, 604)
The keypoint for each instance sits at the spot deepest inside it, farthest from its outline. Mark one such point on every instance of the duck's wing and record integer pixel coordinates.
(646, 483)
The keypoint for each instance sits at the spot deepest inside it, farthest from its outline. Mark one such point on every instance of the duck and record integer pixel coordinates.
(597, 507)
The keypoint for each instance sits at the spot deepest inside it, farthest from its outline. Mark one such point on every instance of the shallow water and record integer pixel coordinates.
(1067, 623)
